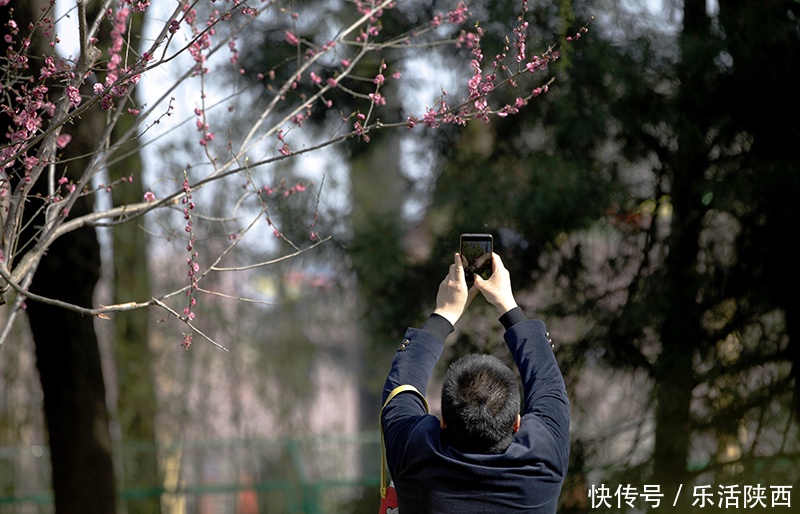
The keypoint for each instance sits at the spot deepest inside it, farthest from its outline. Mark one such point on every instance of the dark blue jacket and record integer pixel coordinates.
(433, 477)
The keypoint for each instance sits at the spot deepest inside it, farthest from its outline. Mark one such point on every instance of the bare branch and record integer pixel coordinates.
(237, 298)
(279, 259)
(188, 323)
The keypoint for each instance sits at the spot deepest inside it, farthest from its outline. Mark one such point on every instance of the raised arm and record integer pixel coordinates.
(415, 359)
(545, 393)
(529, 344)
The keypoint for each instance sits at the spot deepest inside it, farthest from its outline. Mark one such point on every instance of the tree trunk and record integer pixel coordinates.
(136, 401)
(68, 360)
(681, 333)
(67, 353)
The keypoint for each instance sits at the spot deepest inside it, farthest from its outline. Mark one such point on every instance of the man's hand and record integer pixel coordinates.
(453, 296)
(497, 289)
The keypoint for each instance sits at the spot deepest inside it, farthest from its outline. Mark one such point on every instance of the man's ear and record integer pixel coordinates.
(517, 423)
(441, 421)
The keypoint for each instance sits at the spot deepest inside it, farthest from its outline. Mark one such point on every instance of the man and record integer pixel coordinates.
(481, 456)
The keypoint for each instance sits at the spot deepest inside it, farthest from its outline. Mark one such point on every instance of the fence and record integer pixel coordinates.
(310, 476)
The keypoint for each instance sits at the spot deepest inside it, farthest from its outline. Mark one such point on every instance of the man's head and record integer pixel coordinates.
(480, 404)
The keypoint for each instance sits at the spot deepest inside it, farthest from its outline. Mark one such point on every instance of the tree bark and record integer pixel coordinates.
(681, 330)
(68, 359)
(136, 401)
(67, 352)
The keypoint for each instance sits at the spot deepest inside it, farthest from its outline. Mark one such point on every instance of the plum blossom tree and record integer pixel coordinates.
(43, 94)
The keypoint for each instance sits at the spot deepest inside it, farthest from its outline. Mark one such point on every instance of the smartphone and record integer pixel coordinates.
(476, 254)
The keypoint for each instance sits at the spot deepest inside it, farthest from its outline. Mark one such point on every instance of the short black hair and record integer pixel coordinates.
(480, 403)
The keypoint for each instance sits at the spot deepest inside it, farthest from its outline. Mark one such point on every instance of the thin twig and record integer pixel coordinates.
(279, 259)
(188, 323)
(239, 298)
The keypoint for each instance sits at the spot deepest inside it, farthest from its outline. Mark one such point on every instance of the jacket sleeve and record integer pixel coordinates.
(412, 365)
(545, 395)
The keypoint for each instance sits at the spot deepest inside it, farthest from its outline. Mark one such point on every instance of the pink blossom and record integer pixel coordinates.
(377, 98)
(140, 6)
(30, 162)
(63, 140)
(467, 39)
(122, 15)
(459, 15)
(474, 82)
(74, 96)
(430, 119)
(508, 109)
(291, 38)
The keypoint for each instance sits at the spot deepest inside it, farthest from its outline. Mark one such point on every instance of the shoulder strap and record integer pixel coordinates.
(397, 390)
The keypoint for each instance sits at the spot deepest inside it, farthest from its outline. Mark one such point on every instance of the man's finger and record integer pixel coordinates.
(452, 272)
(497, 263)
(459, 268)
